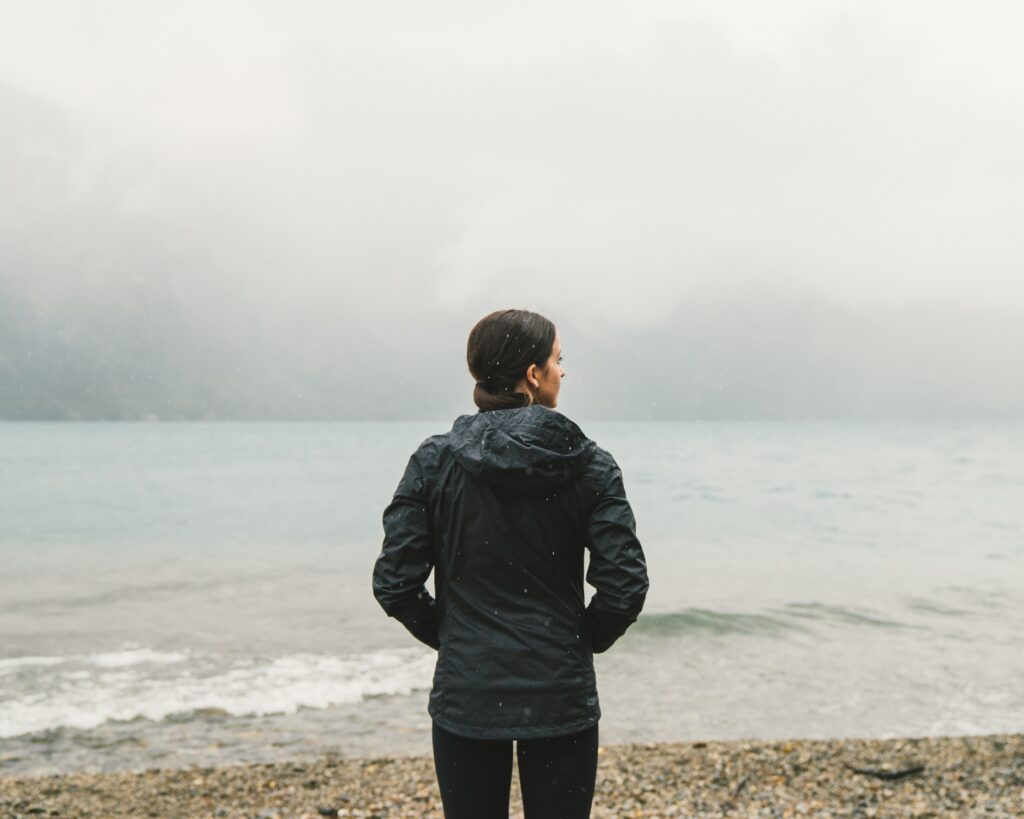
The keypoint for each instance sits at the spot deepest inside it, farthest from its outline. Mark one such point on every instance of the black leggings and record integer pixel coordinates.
(556, 775)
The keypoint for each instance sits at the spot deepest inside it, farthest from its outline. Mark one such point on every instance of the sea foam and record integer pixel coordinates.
(85, 692)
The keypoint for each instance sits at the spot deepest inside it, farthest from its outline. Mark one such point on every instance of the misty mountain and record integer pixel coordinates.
(753, 355)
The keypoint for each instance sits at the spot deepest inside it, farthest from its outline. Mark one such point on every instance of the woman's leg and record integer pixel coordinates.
(474, 775)
(557, 775)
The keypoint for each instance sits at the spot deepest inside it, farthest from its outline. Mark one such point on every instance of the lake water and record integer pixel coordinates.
(200, 592)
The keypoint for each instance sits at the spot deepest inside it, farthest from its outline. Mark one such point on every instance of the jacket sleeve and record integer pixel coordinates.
(618, 568)
(406, 558)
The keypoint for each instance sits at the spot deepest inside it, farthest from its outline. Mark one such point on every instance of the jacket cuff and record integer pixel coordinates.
(419, 617)
(606, 627)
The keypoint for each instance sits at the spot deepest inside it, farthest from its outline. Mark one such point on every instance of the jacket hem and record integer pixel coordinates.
(524, 732)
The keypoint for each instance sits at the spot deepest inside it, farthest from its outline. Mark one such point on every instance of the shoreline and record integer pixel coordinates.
(922, 777)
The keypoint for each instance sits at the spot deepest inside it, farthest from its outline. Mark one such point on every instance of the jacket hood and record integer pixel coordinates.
(531, 447)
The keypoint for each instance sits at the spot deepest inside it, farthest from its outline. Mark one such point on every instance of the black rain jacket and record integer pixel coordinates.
(502, 508)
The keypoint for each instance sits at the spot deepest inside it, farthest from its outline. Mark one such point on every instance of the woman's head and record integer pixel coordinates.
(514, 356)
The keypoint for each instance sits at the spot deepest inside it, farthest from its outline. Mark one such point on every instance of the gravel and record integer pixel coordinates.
(930, 777)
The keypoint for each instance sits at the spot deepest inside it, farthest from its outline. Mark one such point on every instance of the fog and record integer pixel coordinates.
(730, 209)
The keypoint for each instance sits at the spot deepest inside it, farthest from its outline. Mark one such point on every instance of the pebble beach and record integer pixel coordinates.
(927, 777)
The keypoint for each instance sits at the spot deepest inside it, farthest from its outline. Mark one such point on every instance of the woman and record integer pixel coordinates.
(501, 508)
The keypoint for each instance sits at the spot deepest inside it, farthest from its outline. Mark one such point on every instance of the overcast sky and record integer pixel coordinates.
(340, 190)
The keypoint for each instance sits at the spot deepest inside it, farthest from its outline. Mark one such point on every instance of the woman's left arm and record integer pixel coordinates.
(407, 557)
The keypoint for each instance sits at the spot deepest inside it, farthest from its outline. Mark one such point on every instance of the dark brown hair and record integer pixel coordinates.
(501, 346)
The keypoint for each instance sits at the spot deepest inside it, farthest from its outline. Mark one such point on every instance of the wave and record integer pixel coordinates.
(920, 604)
(113, 659)
(121, 592)
(697, 621)
(793, 617)
(842, 614)
(122, 686)
(13, 663)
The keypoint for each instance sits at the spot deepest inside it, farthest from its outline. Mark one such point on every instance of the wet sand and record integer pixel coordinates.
(931, 777)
